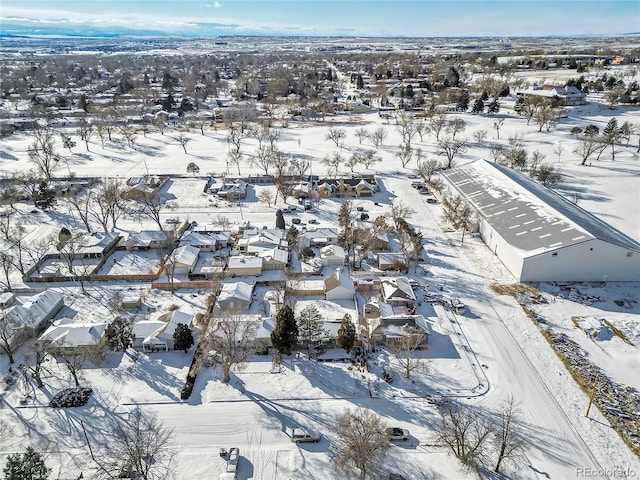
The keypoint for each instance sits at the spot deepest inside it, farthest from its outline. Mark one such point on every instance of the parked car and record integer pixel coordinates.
(396, 476)
(295, 220)
(299, 435)
(314, 221)
(396, 433)
(173, 220)
(457, 306)
(432, 200)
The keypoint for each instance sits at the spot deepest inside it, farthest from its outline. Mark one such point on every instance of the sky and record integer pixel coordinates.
(382, 18)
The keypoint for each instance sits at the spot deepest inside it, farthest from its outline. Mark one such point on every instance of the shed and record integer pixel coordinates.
(242, 265)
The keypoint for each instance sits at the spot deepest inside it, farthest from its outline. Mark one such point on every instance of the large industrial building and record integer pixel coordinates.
(539, 235)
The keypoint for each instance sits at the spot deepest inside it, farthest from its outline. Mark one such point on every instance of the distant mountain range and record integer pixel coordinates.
(10, 29)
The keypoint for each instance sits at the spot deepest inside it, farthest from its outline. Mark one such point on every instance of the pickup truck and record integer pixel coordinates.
(396, 433)
(233, 459)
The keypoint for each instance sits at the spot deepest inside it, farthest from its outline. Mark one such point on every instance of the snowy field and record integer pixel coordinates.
(482, 357)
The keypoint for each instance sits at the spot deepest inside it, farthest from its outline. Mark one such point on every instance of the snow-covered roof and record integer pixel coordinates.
(186, 255)
(397, 289)
(146, 237)
(173, 319)
(274, 254)
(99, 242)
(238, 290)
(332, 251)
(42, 307)
(526, 214)
(244, 261)
(199, 239)
(66, 333)
(339, 278)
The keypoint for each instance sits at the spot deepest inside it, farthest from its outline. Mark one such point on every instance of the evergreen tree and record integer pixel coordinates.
(119, 335)
(280, 220)
(285, 332)
(611, 134)
(29, 466)
(346, 334)
(478, 106)
(462, 103)
(182, 338)
(360, 82)
(494, 106)
(292, 236)
(44, 196)
(311, 332)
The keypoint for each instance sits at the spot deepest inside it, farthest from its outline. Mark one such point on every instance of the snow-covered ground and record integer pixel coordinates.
(482, 357)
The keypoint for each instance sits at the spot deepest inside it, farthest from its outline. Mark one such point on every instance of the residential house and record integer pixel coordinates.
(390, 331)
(30, 318)
(254, 243)
(202, 241)
(98, 245)
(243, 265)
(391, 261)
(69, 336)
(146, 240)
(235, 296)
(320, 237)
(183, 260)
(398, 292)
(339, 286)
(162, 338)
(562, 94)
(233, 189)
(332, 255)
(222, 237)
(274, 259)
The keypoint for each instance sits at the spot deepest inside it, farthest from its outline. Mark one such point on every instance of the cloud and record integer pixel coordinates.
(217, 5)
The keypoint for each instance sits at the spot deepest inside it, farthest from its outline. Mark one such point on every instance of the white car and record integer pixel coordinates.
(299, 435)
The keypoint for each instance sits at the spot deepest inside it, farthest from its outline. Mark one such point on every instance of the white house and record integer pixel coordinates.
(162, 338)
(539, 235)
(28, 319)
(146, 240)
(339, 286)
(332, 255)
(183, 260)
(70, 336)
(243, 265)
(398, 292)
(274, 259)
(318, 238)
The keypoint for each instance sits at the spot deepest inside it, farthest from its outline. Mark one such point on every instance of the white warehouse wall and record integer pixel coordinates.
(510, 257)
(590, 261)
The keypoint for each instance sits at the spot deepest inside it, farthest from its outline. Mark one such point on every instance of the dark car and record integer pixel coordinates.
(295, 221)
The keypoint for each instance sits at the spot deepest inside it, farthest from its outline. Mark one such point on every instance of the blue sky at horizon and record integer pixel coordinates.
(195, 18)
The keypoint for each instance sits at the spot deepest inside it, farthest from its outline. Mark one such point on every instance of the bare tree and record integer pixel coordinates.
(266, 195)
(264, 158)
(336, 135)
(547, 175)
(42, 151)
(361, 134)
(510, 443)
(451, 147)
(74, 359)
(234, 157)
(7, 263)
(590, 146)
(233, 338)
(183, 140)
(234, 139)
(456, 126)
(497, 124)
(378, 136)
(149, 206)
(35, 363)
(406, 127)
(436, 124)
(129, 134)
(464, 432)
(427, 168)
(361, 442)
(370, 158)
(410, 349)
(479, 136)
(81, 204)
(9, 328)
(141, 447)
(333, 162)
(404, 154)
(85, 131)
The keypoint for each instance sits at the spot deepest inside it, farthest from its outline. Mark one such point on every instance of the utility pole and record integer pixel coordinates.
(593, 393)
